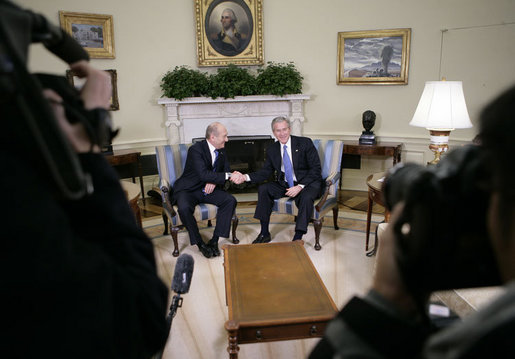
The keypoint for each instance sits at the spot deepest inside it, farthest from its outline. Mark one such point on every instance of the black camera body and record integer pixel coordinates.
(29, 123)
(442, 239)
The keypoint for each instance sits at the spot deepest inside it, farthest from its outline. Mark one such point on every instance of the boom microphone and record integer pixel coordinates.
(180, 284)
(183, 273)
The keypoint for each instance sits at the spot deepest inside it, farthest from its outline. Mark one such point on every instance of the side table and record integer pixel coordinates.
(126, 157)
(375, 194)
(387, 149)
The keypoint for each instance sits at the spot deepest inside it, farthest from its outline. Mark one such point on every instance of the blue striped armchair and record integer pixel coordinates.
(330, 153)
(171, 160)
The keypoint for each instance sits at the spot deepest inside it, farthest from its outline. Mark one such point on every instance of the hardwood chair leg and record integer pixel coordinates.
(174, 231)
(235, 222)
(317, 223)
(335, 217)
(165, 221)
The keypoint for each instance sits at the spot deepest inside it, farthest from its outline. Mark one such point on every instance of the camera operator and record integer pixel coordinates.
(391, 320)
(78, 276)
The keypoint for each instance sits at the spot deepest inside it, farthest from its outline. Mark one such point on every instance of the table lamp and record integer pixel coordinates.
(441, 109)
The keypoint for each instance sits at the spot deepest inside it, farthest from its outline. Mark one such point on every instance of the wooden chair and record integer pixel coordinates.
(171, 160)
(330, 153)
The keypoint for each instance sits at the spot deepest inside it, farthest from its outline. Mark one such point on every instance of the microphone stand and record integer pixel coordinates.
(176, 303)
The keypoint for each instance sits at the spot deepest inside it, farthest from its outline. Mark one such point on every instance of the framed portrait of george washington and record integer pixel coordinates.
(229, 32)
(376, 57)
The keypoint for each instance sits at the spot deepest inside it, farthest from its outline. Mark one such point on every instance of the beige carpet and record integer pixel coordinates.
(198, 328)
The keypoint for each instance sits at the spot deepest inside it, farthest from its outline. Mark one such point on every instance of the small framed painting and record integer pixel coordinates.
(94, 32)
(378, 57)
(77, 82)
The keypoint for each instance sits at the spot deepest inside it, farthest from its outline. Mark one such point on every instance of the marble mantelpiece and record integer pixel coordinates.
(243, 115)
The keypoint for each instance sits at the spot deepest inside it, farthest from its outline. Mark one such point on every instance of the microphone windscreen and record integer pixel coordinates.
(183, 273)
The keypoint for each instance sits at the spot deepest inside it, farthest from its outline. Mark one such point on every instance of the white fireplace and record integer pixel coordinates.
(243, 115)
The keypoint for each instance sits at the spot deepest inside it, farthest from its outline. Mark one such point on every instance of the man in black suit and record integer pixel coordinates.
(303, 181)
(205, 172)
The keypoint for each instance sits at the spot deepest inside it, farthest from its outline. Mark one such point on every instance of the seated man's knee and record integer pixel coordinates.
(231, 201)
(185, 206)
(263, 190)
(305, 200)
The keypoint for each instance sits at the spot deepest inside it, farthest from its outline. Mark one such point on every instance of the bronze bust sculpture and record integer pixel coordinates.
(367, 137)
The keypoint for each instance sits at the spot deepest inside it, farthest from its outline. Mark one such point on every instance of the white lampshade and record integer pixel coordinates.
(442, 107)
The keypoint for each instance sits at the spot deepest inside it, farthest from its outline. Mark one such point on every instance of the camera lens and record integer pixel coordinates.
(398, 181)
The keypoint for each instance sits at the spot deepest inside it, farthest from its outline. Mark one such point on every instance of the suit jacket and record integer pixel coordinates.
(305, 160)
(198, 169)
(92, 267)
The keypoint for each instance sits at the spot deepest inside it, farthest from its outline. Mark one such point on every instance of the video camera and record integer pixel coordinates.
(442, 239)
(27, 117)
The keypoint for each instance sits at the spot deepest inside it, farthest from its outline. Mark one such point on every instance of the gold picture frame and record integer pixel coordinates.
(77, 82)
(94, 32)
(377, 57)
(219, 47)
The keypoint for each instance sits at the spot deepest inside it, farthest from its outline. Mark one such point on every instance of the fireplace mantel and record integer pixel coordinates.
(243, 115)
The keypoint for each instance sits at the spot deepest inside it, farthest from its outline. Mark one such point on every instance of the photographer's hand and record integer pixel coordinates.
(76, 134)
(96, 92)
(387, 280)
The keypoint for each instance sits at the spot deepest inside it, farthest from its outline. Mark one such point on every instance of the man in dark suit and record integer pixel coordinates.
(205, 172)
(297, 165)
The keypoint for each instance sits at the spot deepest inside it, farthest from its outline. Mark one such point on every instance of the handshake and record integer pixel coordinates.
(237, 177)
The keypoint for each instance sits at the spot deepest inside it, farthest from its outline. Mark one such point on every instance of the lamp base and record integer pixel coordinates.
(439, 144)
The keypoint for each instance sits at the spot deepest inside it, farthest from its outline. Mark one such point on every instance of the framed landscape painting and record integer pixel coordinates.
(94, 32)
(378, 57)
(229, 32)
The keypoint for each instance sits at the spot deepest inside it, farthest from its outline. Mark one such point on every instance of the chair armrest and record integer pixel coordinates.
(329, 181)
(333, 178)
(167, 205)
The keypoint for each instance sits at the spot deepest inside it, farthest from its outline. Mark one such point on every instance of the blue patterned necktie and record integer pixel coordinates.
(288, 169)
(216, 161)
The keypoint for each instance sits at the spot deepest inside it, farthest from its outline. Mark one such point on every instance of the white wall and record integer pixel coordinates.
(154, 36)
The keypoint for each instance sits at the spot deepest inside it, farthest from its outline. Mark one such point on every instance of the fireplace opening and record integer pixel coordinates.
(246, 154)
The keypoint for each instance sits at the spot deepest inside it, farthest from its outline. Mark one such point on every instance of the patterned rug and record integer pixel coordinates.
(360, 204)
(351, 221)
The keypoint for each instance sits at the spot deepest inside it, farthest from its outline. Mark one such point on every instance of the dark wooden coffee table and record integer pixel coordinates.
(273, 292)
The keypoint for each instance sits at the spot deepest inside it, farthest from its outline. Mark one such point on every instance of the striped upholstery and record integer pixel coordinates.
(330, 153)
(171, 160)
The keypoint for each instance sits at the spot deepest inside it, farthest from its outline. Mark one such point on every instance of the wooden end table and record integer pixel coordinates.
(126, 157)
(387, 149)
(273, 292)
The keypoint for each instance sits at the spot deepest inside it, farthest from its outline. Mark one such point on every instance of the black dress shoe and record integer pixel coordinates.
(262, 239)
(213, 245)
(205, 250)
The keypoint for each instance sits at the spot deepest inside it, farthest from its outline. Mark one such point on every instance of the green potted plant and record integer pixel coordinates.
(232, 81)
(279, 79)
(184, 82)
(276, 79)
